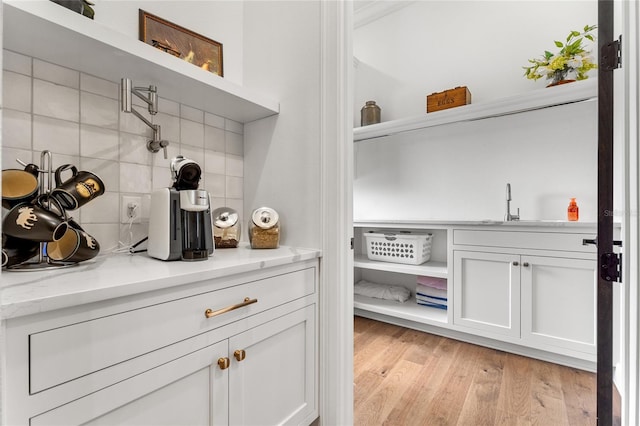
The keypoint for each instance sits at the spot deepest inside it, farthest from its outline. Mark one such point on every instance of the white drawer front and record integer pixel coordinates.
(62, 354)
(524, 240)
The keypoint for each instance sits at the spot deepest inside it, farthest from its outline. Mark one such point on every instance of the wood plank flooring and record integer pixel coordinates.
(407, 377)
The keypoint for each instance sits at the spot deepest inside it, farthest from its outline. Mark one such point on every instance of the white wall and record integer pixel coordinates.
(282, 153)
(219, 20)
(430, 46)
(460, 171)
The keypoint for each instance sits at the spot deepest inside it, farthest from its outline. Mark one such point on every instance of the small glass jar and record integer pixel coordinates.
(264, 228)
(226, 228)
(369, 114)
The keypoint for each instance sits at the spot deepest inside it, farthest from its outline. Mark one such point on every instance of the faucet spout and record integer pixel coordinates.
(508, 216)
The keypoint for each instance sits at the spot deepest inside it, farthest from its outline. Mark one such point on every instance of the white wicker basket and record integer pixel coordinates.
(399, 247)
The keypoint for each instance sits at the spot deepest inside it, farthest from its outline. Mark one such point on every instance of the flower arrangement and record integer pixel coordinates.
(572, 58)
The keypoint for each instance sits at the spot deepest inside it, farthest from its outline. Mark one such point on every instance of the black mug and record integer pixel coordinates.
(16, 250)
(35, 221)
(19, 186)
(75, 245)
(78, 190)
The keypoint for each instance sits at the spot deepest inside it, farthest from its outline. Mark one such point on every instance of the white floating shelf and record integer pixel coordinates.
(585, 90)
(431, 268)
(50, 32)
(408, 310)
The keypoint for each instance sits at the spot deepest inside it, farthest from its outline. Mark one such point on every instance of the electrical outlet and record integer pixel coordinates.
(130, 208)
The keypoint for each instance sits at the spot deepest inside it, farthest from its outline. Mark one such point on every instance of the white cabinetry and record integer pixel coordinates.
(486, 292)
(157, 359)
(535, 289)
(559, 298)
(520, 287)
(400, 274)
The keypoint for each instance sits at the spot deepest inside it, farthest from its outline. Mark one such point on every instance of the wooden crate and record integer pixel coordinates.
(448, 99)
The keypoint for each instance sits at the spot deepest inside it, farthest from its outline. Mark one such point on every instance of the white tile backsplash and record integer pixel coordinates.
(234, 166)
(16, 129)
(56, 74)
(215, 184)
(16, 62)
(108, 171)
(77, 118)
(99, 110)
(233, 126)
(16, 91)
(103, 209)
(98, 86)
(234, 187)
(191, 114)
(133, 149)
(169, 127)
(135, 178)
(54, 100)
(191, 133)
(169, 107)
(58, 136)
(234, 143)
(214, 139)
(214, 162)
(96, 142)
(214, 120)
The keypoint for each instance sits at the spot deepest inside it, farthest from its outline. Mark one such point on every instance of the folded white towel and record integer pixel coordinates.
(382, 291)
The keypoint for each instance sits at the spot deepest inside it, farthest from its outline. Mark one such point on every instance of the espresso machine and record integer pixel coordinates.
(180, 216)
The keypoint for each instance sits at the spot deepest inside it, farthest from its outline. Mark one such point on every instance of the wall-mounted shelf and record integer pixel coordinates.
(586, 90)
(47, 31)
(431, 268)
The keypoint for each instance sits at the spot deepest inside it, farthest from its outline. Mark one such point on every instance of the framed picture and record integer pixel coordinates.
(181, 42)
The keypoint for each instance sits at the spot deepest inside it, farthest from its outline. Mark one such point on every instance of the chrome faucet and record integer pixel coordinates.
(509, 216)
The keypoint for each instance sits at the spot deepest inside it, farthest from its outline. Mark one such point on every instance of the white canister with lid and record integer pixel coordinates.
(264, 228)
(226, 227)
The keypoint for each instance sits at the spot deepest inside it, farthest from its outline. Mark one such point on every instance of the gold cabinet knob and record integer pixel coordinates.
(223, 363)
(239, 354)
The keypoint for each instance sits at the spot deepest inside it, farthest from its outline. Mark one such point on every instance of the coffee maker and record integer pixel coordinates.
(180, 216)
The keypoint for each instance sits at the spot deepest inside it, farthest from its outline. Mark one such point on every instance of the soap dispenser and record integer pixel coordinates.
(572, 210)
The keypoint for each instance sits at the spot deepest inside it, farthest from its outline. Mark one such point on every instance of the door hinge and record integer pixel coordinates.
(611, 267)
(611, 55)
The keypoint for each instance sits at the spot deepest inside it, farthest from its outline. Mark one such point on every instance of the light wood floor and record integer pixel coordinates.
(407, 377)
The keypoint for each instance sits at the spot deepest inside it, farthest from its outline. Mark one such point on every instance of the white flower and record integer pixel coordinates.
(575, 62)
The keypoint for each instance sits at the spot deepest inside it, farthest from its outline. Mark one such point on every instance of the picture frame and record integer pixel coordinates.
(181, 42)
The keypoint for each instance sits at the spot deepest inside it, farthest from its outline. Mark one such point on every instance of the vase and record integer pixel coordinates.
(559, 82)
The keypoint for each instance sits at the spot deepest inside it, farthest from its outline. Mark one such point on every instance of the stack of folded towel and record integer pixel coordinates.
(431, 291)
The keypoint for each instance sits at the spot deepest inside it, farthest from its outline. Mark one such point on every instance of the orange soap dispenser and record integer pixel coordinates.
(572, 210)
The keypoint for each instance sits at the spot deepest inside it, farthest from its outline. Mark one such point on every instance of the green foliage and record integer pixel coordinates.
(573, 57)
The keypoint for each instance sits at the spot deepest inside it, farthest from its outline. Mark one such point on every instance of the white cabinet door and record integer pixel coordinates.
(191, 390)
(275, 382)
(559, 303)
(486, 292)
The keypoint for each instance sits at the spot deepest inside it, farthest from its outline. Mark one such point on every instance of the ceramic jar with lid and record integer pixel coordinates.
(226, 227)
(369, 114)
(264, 228)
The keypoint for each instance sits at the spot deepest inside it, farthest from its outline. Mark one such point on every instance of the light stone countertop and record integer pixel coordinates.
(115, 275)
(444, 223)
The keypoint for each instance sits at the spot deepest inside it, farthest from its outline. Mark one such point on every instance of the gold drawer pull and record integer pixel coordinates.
(247, 301)
(223, 363)
(239, 354)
